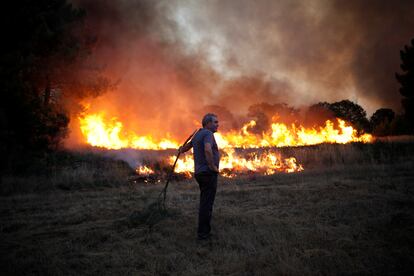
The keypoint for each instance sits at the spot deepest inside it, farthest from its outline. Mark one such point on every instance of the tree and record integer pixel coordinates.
(406, 79)
(381, 121)
(265, 114)
(351, 112)
(399, 126)
(41, 67)
(317, 114)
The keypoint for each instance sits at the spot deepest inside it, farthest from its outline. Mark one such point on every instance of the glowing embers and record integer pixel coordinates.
(232, 163)
(144, 170)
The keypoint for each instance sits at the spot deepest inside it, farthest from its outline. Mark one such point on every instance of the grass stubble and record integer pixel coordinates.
(350, 212)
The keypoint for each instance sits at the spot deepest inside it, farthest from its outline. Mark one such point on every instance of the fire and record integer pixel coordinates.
(109, 133)
(184, 164)
(144, 170)
(265, 163)
(282, 135)
(232, 164)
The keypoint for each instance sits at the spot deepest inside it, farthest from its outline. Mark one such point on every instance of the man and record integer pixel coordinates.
(206, 164)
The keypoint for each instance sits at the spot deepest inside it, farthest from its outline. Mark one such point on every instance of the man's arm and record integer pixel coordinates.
(209, 157)
(186, 147)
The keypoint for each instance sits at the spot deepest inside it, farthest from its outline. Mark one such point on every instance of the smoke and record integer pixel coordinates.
(324, 50)
(175, 60)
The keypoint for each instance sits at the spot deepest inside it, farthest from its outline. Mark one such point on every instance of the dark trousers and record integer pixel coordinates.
(208, 185)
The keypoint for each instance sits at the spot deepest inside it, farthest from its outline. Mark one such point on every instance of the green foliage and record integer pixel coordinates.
(345, 109)
(352, 113)
(400, 125)
(41, 67)
(265, 114)
(381, 122)
(317, 114)
(406, 79)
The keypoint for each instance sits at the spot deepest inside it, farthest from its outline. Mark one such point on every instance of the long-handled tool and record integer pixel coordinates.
(156, 210)
(163, 195)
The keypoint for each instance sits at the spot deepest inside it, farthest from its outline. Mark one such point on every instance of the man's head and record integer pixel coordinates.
(210, 122)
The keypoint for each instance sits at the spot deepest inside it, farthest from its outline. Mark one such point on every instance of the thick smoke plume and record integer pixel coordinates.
(175, 60)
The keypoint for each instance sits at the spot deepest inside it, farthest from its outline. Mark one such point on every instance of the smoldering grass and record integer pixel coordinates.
(344, 215)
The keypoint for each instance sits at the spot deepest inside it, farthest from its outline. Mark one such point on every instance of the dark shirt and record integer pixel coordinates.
(202, 137)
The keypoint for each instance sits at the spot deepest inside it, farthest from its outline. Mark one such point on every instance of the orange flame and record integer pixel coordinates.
(282, 135)
(144, 170)
(109, 133)
(232, 164)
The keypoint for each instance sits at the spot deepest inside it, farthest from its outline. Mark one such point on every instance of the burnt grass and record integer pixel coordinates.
(350, 212)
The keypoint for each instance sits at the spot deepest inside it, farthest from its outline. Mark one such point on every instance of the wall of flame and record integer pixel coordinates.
(101, 131)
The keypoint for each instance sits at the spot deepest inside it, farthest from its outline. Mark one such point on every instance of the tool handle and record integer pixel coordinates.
(164, 191)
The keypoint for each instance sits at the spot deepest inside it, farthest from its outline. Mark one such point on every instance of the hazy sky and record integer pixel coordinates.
(173, 58)
(323, 50)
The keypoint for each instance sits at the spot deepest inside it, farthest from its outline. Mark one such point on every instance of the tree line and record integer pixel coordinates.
(384, 121)
(44, 67)
(46, 64)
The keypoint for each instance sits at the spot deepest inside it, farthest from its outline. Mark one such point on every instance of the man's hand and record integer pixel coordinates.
(209, 157)
(214, 169)
(185, 148)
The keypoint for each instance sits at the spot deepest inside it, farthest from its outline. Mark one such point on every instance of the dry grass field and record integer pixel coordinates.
(350, 212)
